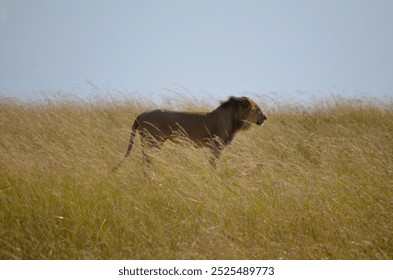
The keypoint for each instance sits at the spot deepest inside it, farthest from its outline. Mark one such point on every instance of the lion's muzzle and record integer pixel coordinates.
(261, 120)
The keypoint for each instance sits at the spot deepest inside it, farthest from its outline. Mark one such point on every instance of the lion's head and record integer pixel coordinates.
(246, 112)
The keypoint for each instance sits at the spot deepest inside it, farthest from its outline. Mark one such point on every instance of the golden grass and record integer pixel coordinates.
(310, 184)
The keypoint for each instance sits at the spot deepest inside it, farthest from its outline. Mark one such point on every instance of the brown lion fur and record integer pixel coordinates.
(214, 129)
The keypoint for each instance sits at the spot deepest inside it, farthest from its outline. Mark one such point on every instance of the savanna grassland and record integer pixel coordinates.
(312, 183)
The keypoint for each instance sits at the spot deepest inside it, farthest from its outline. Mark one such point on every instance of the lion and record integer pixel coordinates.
(215, 129)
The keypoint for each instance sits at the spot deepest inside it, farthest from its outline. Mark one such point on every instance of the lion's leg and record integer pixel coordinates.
(212, 161)
(146, 158)
(149, 143)
(215, 148)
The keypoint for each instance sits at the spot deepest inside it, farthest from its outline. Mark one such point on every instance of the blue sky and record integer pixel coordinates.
(219, 47)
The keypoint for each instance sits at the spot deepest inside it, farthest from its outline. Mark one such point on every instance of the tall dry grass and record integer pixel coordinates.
(313, 183)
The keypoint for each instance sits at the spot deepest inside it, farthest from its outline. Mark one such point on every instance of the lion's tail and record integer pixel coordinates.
(135, 127)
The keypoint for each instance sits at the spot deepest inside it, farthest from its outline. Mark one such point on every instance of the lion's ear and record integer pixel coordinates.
(246, 103)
